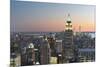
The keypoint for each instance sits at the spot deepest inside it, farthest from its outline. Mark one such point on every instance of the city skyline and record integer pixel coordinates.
(51, 33)
(47, 17)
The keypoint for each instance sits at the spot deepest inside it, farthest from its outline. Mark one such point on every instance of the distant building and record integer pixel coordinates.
(53, 49)
(52, 44)
(44, 52)
(86, 55)
(28, 55)
(59, 50)
(68, 47)
(59, 46)
(23, 58)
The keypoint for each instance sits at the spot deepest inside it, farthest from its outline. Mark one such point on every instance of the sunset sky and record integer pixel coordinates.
(50, 17)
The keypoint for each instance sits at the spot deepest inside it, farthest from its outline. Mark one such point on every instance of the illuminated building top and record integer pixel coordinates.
(68, 23)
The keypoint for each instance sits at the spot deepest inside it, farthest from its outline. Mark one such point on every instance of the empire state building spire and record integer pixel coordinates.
(68, 18)
(68, 23)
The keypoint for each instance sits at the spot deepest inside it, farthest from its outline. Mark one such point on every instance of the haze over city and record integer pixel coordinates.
(47, 17)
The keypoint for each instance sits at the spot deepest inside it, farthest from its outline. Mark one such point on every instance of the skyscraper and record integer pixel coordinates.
(59, 50)
(44, 52)
(28, 55)
(68, 48)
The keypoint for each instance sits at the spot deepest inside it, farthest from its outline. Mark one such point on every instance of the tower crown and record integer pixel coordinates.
(68, 23)
(68, 19)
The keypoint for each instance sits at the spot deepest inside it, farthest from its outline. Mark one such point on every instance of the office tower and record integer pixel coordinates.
(59, 50)
(51, 42)
(68, 47)
(44, 52)
(53, 54)
(28, 55)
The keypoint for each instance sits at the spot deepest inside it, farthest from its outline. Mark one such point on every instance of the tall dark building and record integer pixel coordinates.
(28, 55)
(68, 47)
(44, 52)
(51, 42)
(53, 53)
(59, 50)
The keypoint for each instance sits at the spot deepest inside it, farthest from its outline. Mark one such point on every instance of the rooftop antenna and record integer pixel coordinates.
(68, 17)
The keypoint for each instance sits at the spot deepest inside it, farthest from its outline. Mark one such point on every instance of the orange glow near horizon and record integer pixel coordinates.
(84, 27)
(59, 25)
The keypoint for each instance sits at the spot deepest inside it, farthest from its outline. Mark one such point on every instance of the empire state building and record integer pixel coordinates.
(68, 47)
